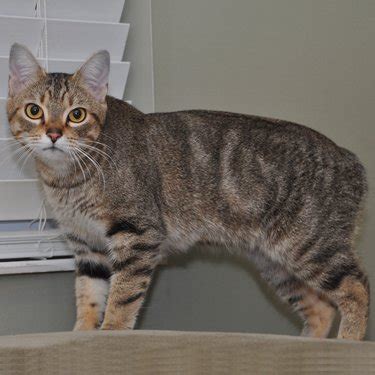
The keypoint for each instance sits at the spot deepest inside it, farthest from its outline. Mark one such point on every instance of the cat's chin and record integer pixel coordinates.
(54, 157)
(52, 151)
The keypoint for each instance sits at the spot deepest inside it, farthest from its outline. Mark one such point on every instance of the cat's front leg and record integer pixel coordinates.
(93, 271)
(135, 256)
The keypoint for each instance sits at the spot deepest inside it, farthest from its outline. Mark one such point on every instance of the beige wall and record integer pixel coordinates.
(308, 61)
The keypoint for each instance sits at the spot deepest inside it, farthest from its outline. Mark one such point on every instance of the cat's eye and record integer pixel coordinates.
(77, 115)
(33, 111)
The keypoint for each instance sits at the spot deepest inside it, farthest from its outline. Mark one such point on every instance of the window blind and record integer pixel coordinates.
(62, 35)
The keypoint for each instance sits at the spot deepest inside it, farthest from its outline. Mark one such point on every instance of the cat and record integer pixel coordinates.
(128, 188)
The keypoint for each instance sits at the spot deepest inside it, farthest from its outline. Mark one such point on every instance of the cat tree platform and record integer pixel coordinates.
(165, 352)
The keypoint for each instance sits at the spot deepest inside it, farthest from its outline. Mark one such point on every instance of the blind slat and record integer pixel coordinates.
(36, 266)
(77, 40)
(27, 31)
(66, 39)
(33, 244)
(21, 8)
(4, 128)
(20, 200)
(117, 79)
(90, 10)
(14, 163)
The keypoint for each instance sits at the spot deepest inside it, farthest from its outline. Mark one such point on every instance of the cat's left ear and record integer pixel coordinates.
(94, 74)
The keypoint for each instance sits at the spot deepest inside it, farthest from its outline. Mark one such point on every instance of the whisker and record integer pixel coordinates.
(30, 152)
(102, 153)
(77, 159)
(83, 161)
(95, 163)
(108, 136)
(19, 152)
(71, 156)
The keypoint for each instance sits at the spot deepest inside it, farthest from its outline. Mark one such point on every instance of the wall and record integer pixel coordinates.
(307, 61)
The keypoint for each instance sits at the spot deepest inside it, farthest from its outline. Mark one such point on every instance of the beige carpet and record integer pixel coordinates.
(165, 352)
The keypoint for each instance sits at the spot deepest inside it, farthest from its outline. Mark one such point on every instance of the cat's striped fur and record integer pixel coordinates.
(139, 186)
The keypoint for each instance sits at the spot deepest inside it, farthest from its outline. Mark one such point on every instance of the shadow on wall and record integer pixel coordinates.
(200, 294)
(201, 290)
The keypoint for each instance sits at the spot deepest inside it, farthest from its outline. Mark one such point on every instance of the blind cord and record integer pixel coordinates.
(45, 34)
(41, 218)
(43, 45)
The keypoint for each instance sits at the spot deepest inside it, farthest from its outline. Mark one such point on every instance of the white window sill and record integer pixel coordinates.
(36, 266)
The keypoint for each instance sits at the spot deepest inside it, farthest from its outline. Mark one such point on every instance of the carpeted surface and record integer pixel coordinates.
(165, 352)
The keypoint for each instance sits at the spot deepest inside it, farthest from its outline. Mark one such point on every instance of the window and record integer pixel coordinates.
(62, 34)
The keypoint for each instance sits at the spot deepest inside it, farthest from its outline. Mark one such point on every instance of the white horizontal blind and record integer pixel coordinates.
(62, 34)
(34, 252)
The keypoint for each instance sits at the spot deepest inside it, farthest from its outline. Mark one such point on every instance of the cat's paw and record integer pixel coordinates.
(84, 326)
(108, 327)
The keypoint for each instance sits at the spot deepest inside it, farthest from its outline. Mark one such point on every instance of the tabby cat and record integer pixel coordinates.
(127, 188)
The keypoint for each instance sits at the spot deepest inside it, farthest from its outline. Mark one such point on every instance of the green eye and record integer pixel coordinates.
(33, 111)
(77, 115)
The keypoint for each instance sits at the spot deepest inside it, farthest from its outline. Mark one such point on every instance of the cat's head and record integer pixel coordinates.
(51, 113)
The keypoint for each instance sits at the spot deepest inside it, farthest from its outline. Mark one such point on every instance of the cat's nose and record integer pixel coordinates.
(54, 136)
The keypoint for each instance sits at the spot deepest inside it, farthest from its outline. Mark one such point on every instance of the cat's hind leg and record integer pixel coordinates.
(335, 273)
(316, 312)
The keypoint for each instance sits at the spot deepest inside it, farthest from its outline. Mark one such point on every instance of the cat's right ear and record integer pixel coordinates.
(94, 75)
(24, 69)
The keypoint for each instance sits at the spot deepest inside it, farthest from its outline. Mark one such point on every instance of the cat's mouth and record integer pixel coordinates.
(52, 148)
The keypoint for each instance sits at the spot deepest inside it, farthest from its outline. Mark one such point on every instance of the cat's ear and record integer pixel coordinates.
(94, 74)
(24, 69)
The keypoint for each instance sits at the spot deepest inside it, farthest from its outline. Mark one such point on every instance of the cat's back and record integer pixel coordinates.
(216, 129)
(196, 148)
(242, 146)
(213, 121)
(263, 134)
